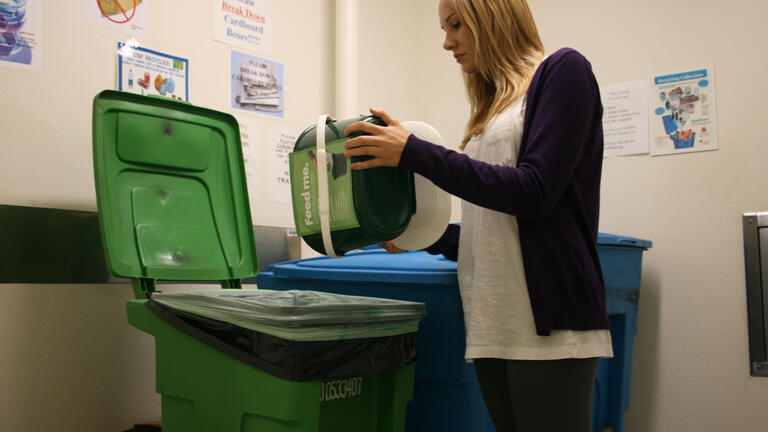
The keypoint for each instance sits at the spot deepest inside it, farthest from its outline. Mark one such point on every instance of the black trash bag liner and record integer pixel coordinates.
(295, 360)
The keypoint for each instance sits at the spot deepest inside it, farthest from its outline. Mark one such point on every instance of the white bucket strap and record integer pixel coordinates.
(323, 201)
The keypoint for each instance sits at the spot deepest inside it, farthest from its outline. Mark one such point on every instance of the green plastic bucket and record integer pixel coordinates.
(366, 207)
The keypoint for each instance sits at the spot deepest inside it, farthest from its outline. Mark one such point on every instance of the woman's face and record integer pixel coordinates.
(458, 40)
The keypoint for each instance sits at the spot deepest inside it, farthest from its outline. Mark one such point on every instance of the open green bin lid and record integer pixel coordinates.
(171, 190)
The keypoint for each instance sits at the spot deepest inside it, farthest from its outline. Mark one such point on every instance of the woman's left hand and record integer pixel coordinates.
(384, 143)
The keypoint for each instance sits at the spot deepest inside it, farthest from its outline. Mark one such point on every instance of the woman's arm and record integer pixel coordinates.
(448, 244)
(562, 123)
(562, 107)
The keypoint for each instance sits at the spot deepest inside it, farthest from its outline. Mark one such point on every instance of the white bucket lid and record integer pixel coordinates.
(433, 205)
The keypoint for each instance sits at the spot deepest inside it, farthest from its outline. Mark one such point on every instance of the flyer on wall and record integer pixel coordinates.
(126, 16)
(257, 85)
(147, 72)
(243, 23)
(252, 154)
(21, 34)
(281, 140)
(625, 118)
(682, 112)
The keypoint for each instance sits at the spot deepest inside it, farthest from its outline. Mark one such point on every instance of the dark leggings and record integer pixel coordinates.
(538, 395)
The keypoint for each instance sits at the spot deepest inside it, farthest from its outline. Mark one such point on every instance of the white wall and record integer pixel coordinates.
(691, 355)
(47, 116)
(387, 53)
(69, 361)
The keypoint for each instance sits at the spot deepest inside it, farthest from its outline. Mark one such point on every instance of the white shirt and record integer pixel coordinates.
(497, 308)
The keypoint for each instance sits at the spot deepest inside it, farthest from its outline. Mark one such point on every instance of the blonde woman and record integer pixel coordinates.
(529, 177)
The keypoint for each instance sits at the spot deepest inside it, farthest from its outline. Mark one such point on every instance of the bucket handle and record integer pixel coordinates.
(323, 201)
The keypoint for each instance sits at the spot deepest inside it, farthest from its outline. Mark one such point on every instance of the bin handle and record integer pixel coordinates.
(323, 200)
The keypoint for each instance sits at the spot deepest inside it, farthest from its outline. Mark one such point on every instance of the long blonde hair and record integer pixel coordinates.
(507, 52)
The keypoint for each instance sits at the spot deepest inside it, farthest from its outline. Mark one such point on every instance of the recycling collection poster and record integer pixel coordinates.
(682, 112)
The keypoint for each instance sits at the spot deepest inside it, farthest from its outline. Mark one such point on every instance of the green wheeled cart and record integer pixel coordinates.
(204, 389)
(173, 205)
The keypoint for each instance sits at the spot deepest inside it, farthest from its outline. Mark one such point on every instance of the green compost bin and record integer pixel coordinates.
(369, 206)
(172, 202)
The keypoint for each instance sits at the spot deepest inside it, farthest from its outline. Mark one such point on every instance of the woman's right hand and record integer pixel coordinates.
(390, 247)
(384, 143)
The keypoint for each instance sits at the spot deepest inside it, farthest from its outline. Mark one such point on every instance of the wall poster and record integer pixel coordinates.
(243, 23)
(21, 34)
(126, 16)
(252, 154)
(257, 85)
(682, 112)
(625, 118)
(281, 141)
(148, 72)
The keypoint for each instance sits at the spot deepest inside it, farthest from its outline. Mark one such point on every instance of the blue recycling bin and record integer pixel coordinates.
(621, 262)
(446, 396)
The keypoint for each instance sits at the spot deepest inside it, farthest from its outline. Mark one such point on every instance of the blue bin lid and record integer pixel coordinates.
(617, 240)
(376, 265)
(418, 267)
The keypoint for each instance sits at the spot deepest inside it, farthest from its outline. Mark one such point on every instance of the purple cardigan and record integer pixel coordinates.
(554, 191)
